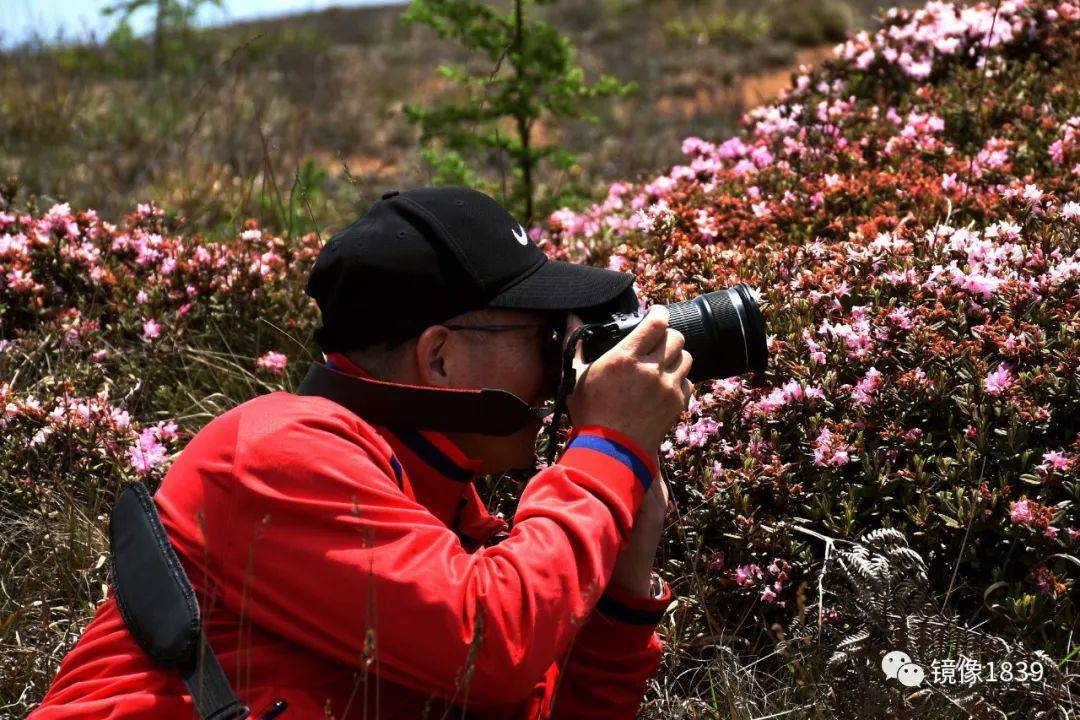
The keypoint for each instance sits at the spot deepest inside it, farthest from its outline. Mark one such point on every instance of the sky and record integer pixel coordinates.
(25, 20)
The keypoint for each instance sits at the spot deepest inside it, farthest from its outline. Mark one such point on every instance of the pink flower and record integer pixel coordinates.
(998, 381)
(616, 262)
(22, 281)
(697, 434)
(1055, 460)
(1020, 512)
(747, 575)
(694, 405)
(768, 404)
(151, 329)
(816, 353)
(776, 399)
(147, 453)
(977, 283)
(165, 430)
(707, 225)
(1070, 210)
(273, 362)
(901, 316)
(867, 386)
(830, 450)
(919, 70)
(728, 387)
(857, 338)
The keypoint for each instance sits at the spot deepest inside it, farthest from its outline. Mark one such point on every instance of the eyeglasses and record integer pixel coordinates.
(552, 334)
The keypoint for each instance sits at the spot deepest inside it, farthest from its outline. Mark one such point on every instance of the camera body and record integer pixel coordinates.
(724, 331)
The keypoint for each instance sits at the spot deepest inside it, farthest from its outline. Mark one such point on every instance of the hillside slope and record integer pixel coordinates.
(250, 107)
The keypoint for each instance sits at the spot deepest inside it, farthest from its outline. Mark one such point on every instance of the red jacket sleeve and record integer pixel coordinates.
(334, 548)
(612, 658)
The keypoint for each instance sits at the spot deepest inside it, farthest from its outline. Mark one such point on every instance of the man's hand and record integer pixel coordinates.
(639, 387)
(633, 567)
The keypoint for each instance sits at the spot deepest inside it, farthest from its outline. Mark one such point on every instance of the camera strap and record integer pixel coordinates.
(158, 604)
(484, 411)
(566, 386)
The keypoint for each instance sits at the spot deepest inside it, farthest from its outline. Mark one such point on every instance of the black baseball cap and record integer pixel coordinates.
(418, 257)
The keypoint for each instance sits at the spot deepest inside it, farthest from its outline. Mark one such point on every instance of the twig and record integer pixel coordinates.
(829, 541)
(963, 544)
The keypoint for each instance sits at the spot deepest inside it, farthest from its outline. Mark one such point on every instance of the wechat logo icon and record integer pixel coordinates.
(897, 665)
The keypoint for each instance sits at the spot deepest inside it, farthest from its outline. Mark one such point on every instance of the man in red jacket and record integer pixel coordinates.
(349, 568)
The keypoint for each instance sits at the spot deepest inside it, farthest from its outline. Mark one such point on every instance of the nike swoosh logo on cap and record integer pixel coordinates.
(522, 239)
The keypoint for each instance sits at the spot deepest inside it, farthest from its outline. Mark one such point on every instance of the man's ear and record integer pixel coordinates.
(431, 349)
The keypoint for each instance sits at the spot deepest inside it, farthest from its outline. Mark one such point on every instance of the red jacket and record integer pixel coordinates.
(321, 546)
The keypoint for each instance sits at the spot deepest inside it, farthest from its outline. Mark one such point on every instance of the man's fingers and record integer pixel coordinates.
(673, 350)
(678, 363)
(688, 391)
(649, 333)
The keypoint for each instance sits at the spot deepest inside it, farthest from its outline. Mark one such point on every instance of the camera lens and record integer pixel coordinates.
(724, 331)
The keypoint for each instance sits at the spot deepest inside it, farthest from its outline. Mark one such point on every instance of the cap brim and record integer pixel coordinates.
(558, 285)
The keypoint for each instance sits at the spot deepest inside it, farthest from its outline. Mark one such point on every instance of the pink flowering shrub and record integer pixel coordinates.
(117, 342)
(910, 214)
(126, 315)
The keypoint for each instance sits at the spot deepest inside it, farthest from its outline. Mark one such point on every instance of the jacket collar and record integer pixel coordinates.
(440, 474)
